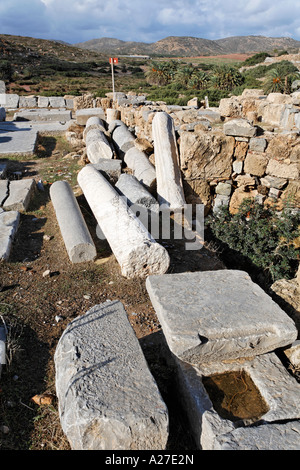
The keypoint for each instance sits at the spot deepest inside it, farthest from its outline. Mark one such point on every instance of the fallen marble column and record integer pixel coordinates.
(135, 192)
(170, 192)
(135, 250)
(97, 146)
(94, 122)
(110, 168)
(76, 236)
(108, 398)
(122, 137)
(142, 168)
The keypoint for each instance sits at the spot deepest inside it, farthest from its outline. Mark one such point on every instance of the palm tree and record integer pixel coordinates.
(184, 74)
(161, 73)
(199, 80)
(225, 77)
(279, 80)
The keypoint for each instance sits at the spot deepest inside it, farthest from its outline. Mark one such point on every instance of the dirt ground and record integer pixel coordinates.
(36, 309)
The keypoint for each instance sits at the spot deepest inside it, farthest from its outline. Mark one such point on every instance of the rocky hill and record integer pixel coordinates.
(191, 46)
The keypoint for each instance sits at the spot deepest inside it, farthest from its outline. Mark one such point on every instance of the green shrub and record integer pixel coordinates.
(268, 239)
(256, 58)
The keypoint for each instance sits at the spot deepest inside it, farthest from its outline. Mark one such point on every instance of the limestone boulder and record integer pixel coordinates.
(255, 164)
(230, 107)
(240, 128)
(283, 169)
(239, 195)
(206, 155)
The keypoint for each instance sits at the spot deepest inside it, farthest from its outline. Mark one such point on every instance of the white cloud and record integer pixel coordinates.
(144, 20)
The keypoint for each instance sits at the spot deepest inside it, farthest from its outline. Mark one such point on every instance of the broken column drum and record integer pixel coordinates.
(75, 233)
(122, 137)
(170, 192)
(135, 250)
(97, 145)
(94, 122)
(142, 168)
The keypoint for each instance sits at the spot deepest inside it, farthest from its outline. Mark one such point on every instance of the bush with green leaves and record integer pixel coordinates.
(256, 58)
(267, 238)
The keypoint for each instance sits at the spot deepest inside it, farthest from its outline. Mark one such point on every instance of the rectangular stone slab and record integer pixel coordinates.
(218, 315)
(108, 398)
(9, 223)
(20, 194)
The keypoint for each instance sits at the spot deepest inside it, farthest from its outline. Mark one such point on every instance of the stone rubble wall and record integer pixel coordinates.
(247, 147)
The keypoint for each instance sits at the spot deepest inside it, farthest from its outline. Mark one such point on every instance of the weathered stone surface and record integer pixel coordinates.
(97, 145)
(94, 122)
(78, 241)
(278, 389)
(111, 169)
(136, 251)
(82, 115)
(20, 195)
(43, 114)
(220, 201)
(284, 436)
(43, 101)
(112, 115)
(293, 354)
(136, 193)
(57, 102)
(255, 163)
(224, 189)
(141, 167)
(108, 399)
(239, 127)
(122, 137)
(4, 191)
(230, 107)
(167, 165)
(15, 139)
(257, 144)
(9, 100)
(27, 101)
(12, 100)
(217, 315)
(9, 223)
(283, 170)
(239, 195)
(206, 155)
(291, 193)
(273, 182)
(237, 166)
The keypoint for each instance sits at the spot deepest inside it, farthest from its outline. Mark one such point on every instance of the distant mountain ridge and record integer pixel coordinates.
(190, 46)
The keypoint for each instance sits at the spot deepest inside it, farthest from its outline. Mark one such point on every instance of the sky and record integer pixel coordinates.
(148, 21)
